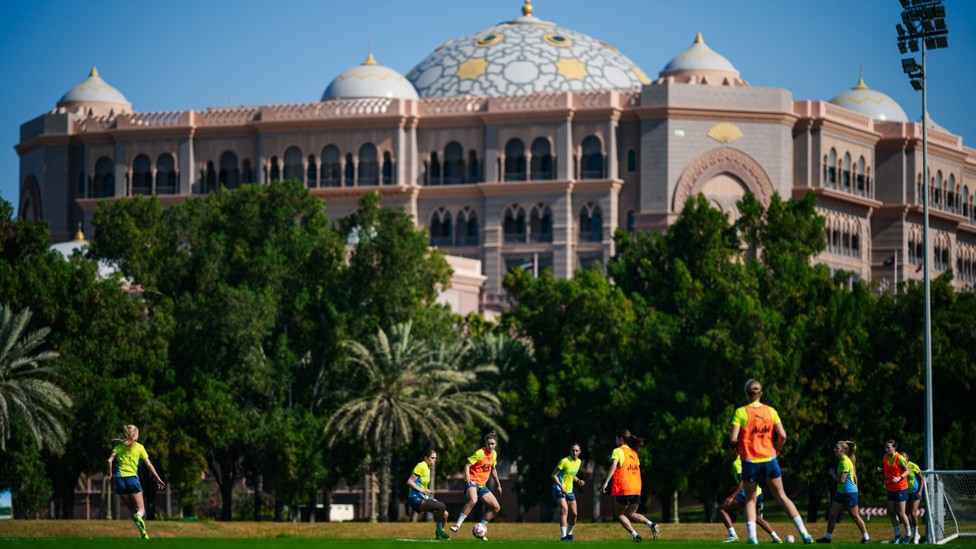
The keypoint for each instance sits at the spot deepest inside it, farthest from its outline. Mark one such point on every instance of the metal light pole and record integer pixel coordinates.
(925, 23)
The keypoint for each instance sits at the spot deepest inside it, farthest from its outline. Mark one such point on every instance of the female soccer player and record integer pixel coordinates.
(125, 474)
(895, 469)
(846, 495)
(421, 498)
(481, 466)
(737, 500)
(752, 432)
(626, 476)
(916, 483)
(563, 478)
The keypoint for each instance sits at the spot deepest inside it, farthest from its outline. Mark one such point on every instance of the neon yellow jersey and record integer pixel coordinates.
(737, 473)
(850, 485)
(127, 459)
(422, 470)
(913, 469)
(567, 473)
(758, 440)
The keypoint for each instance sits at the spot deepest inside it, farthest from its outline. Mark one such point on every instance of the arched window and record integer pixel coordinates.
(330, 173)
(350, 172)
(104, 183)
(847, 172)
(165, 174)
(210, 178)
(631, 160)
(936, 190)
(514, 225)
(453, 164)
(141, 175)
(387, 168)
(965, 201)
(230, 176)
(293, 164)
(474, 167)
(951, 193)
(515, 160)
(542, 159)
(832, 170)
(860, 176)
(441, 228)
(540, 224)
(369, 166)
(247, 174)
(591, 158)
(310, 172)
(275, 169)
(467, 227)
(434, 170)
(591, 223)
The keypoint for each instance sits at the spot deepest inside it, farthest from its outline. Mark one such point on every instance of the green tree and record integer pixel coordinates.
(26, 389)
(410, 388)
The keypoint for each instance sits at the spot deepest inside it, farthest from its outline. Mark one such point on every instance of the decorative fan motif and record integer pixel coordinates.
(724, 132)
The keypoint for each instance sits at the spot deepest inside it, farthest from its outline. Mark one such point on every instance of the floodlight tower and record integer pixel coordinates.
(924, 24)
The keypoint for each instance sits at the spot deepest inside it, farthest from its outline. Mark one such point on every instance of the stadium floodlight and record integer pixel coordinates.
(932, 31)
(900, 29)
(902, 48)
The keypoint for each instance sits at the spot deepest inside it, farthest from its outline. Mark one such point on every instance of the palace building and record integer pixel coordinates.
(527, 143)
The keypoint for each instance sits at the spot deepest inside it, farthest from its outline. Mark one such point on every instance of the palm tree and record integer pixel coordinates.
(24, 387)
(411, 387)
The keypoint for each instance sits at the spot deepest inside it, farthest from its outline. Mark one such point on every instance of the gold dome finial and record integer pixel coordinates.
(370, 60)
(527, 8)
(94, 71)
(860, 81)
(699, 39)
(79, 236)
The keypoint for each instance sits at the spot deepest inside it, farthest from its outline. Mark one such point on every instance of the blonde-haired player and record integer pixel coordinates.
(123, 467)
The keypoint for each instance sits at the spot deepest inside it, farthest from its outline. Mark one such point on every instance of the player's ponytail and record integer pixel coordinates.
(851, 451)
(630, 439)
(752, 389)
(129, 434)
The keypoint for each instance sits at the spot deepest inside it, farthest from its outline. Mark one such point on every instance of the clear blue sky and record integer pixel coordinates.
(179, 55)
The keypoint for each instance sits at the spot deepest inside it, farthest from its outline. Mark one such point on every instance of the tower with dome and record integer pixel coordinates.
(527, 142)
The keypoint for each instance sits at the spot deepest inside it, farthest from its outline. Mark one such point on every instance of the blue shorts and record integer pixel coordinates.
(900, 495)
(847, 499)
(558, 494)
(741, 498)
(626, 500)
(912, 497)
(761, 472)
(126, 485)
(482, 490)
(416, 502)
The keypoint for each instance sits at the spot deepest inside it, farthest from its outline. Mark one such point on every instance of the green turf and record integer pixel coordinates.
(103, 543)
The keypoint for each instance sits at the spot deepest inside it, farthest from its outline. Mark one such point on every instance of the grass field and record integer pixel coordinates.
(70, 534)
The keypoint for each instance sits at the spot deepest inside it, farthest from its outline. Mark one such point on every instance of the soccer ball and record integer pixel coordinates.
(790, 539)
(479, 530)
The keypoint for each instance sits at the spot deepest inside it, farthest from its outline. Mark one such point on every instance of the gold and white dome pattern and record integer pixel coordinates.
(521, 57)
(94, 90)
(873, 103)
(370, 80)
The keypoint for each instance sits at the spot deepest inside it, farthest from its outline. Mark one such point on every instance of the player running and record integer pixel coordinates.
(916, 484)
(846, 495)
(123, 468)
(481, 466)
(563, 477)
(737, 500)
(895, 469)
(751, 436)
(421, 497)
(626, 476)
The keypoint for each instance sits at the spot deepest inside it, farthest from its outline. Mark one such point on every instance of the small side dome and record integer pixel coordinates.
(864, 100)
(370, 80)
(700, 64)
(96, 95)
(80, 245)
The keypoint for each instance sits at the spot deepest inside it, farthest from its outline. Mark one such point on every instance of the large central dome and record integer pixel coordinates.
(524, 56)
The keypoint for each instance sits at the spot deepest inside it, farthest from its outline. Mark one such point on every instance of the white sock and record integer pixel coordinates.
(562, 531)
(139, 513)
(633, 533)
(732, 533)
(751, 529)
(460, 520)
(570, 531)
(798, 522)
(773, 535)
(865, 535)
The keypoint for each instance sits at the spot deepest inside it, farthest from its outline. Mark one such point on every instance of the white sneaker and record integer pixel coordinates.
(731, 539)
(455, 528)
